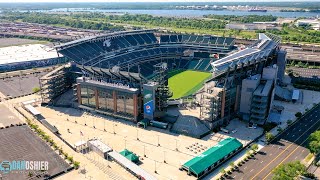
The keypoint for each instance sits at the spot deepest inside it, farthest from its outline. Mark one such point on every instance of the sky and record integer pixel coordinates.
(16, 1)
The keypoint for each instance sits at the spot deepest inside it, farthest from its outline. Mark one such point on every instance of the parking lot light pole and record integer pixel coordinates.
(137, 134)
(155, 167)
(176, 144)
(144, 151)
(164, 157)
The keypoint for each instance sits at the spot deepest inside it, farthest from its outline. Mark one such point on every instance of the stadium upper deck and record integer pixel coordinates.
(130, 49)
(257, 52)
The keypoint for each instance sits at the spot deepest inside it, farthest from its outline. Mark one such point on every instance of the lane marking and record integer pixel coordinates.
(282, 153)
(285, 158)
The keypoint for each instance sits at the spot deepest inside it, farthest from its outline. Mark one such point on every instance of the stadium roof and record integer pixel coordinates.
(103, 36)
(259, 50)
(211, 156)
(30, 52)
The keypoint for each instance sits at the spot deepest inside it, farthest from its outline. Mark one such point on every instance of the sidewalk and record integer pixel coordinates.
(242, 155)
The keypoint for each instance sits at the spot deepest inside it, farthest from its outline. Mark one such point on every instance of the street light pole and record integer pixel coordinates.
(155, 166)
(114, 132)
(158, 140)
(176, 144)
(164, 157)
(137, 134)
(144, 150)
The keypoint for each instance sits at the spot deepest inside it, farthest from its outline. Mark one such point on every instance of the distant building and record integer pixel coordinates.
(314, 23)
(252, 26)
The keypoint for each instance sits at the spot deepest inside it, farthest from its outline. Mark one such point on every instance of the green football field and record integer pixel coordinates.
(186, 83)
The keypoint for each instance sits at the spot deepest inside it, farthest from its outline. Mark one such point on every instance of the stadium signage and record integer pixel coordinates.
(148, 99)
(10, 166)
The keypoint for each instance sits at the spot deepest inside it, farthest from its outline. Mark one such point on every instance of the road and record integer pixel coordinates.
(290, 146)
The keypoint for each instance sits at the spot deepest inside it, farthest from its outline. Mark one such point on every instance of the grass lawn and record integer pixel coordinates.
(186, 83)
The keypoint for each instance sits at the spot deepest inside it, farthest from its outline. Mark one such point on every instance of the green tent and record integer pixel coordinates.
(125, 152)
(133, 158)
(129, 155)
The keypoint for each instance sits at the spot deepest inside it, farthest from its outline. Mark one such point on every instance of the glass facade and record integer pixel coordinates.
(105, 98)
(124, 102)
(88, 96)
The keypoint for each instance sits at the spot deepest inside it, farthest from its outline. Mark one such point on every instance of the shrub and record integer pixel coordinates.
(76, 164)
(269, 137)
(298, 114)
(35, 89)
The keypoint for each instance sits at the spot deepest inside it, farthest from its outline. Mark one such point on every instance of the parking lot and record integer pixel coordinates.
(7, 117)
(173, 148)
(20, 143)
(19, 85)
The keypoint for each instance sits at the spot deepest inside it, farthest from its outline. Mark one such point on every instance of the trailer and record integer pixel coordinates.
(158, 124)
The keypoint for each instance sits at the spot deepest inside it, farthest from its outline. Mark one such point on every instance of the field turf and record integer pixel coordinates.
(186, 82)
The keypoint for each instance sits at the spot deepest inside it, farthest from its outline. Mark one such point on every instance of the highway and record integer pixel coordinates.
(290, 146)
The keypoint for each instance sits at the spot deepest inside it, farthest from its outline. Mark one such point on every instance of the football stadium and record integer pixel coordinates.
(190, 84)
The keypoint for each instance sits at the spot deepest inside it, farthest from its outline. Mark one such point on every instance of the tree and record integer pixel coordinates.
(254, 147)
(314, 142)
(289, 122)
(269, 137)
(231, 164)
(289, 171)
(222, 171)
(35, 89)
(279, 129)
(76, 164)
(298, 114)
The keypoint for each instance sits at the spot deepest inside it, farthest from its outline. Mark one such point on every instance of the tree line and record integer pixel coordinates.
(64, 20)
(243, 19)
(143, 19)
